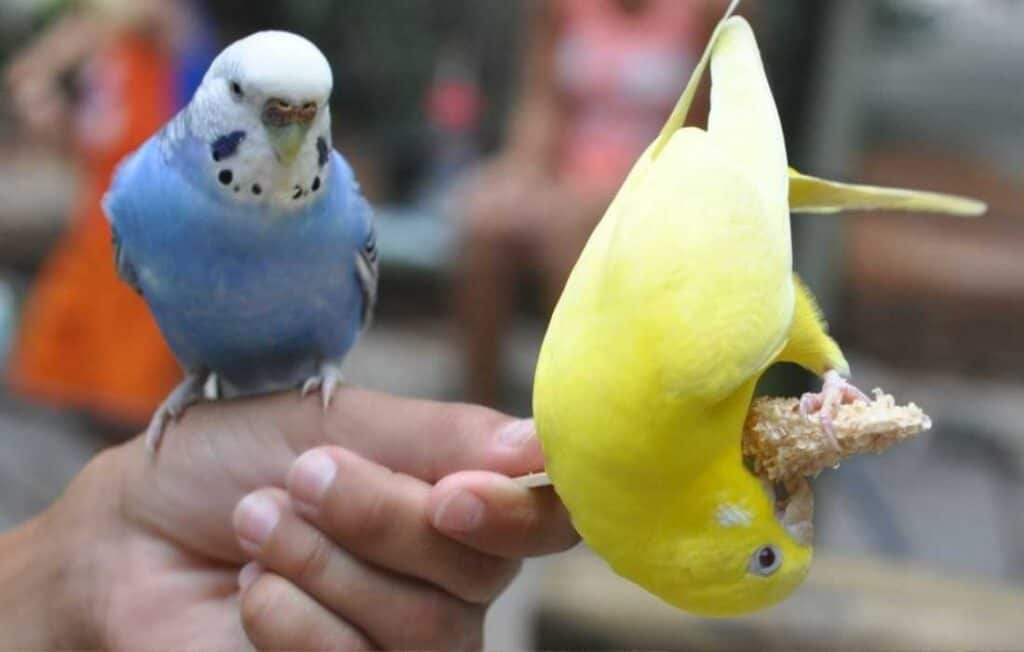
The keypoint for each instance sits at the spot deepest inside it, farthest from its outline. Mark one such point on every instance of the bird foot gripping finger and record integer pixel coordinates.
(327, 381)
(836, 391)
(155, 429)
(188, 391)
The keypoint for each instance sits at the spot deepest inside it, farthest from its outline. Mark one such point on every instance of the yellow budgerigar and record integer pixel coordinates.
(682, 297)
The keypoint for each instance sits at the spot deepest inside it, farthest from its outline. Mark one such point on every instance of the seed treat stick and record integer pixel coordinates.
(783, 444)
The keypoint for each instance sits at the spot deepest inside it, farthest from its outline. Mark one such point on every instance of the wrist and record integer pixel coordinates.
(52, 585)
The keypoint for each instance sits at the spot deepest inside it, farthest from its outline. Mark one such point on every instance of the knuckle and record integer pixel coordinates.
(375, 521)
(501, 575)
(541, 528)
(481, 578)
(468, 418)
(438, 621)
(312, 562)
(527, 522)
(262, 604)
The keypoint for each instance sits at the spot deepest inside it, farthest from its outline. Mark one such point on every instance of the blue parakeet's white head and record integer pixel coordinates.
(263, 109)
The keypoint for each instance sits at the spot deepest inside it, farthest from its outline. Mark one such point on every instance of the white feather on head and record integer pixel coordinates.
(276, 64)
(264, 66)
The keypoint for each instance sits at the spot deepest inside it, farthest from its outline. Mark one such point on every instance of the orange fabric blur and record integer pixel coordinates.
(87, 340)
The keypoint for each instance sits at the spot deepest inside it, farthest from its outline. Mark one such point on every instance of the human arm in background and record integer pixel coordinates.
(34, 76)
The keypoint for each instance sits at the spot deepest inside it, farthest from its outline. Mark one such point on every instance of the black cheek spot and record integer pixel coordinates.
(226, 146)
(237, 188)
(225, 177)
(322, 151)
(298, 192)
(257, 189)
(316, 184)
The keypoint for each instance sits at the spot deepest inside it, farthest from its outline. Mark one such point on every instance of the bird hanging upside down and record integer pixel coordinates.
(682, 298)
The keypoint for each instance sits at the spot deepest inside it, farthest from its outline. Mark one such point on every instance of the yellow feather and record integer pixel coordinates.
(809, 194)
(649, 363)
(683, 295)
(808, 343)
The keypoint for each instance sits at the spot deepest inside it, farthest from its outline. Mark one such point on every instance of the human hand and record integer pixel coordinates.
(156, 559)
(354, 538)
(35, 98)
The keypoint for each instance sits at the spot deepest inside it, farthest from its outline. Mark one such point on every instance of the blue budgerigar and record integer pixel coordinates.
(246, 233)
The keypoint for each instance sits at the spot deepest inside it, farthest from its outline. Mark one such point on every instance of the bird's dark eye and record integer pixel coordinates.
(236, 89)
(766, 560)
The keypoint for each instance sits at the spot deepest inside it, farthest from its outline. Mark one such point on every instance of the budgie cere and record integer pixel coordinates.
(246, 232)
(682, 297)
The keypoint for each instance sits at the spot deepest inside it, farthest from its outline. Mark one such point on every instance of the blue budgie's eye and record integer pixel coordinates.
(236, 90)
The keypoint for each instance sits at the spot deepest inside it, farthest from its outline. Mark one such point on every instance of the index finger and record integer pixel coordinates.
(424, 439)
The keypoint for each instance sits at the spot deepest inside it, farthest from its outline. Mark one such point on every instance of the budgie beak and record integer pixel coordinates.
(287, 125)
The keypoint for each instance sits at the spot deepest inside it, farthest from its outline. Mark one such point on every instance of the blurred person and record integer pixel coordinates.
(86, 341)
(271, 520)
(599, 79)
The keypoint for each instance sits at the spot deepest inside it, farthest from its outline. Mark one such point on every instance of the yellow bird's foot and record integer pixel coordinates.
(326, 381)
(189, 391)
(835, 391)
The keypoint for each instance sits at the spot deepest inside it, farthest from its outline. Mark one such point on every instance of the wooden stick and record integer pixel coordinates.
(533, 480)
(781, 443)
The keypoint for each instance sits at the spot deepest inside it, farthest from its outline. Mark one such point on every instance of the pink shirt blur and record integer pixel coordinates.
(620, 74)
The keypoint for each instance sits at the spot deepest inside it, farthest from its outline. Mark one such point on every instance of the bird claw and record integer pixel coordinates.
(155, 429)
(311, 385)
(327, 381)
(188, 391)
(835, 391)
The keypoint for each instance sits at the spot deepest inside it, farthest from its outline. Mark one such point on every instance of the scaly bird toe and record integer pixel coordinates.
(327, 381)
(311, 385)
(188, 391)
(835, 391)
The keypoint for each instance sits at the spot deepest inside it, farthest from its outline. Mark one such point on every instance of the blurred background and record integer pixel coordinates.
(490, 134)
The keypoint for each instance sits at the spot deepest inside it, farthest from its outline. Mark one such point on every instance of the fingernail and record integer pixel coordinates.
(248, 574)
(312, 473)
(460, 512)
(255, 519)
(517, 433)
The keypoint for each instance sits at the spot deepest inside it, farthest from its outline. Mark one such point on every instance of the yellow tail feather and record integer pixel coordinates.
(809, 194)
(682, 108)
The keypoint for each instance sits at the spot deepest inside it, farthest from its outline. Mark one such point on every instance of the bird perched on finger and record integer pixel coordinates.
(246, 232)
(683, 296)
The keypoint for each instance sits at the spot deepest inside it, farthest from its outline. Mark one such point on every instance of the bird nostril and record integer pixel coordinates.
(278, 112)
(307, 113)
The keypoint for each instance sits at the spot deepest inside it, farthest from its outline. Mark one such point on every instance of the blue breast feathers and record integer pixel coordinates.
(258, 297)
